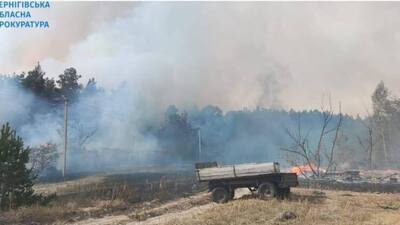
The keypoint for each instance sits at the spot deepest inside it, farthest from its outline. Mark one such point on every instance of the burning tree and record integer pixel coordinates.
(309, 157)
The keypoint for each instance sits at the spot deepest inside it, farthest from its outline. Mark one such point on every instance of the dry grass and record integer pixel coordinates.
(142, 198)
(172, 207)
(96, 197)
(309, 207)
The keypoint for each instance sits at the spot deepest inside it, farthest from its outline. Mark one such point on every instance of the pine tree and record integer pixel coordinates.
(35, 81)
(68, 83)
(16, 180)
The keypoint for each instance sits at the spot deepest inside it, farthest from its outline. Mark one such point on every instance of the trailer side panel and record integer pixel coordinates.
(233, 171)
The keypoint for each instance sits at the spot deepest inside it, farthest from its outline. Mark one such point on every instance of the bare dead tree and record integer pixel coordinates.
(300, 148)
(336, 128)
(323, 152)
(43, 157)
(83, 134)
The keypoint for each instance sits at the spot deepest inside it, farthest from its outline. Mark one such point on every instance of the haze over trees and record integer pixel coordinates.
(49, 89)
(321, 153)
(385, 128)
(104, 124)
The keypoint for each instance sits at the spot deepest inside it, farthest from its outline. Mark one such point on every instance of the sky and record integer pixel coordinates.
(234, 55)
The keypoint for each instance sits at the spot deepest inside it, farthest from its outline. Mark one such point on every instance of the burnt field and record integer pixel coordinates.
(144, 196)
(100, 195)
(351, 186)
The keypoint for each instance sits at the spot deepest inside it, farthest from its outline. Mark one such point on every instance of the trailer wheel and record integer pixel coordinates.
(283, 193)
(232, 194)
(220, 195)
(267, 190)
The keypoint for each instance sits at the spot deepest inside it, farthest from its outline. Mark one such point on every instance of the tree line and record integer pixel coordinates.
(247, 135)
(323, 139)
(49, 89)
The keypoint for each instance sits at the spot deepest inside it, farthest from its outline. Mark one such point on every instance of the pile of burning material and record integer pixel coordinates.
(306, 171)
(382, 181)
(358, 186)
(345, 176)
(381, 176)
(356, 176)
(310, 171)
(394, 178)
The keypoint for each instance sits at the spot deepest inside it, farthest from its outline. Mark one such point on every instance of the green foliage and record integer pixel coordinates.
(176, 137)
(69, 83)
(35, 81)
(50, 90)
(16, 180)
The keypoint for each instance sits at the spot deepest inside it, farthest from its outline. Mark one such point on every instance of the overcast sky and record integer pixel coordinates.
(235, 55)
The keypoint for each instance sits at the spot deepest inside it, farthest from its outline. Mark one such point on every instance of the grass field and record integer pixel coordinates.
(306, 207)
(97, 196)
(159, 198)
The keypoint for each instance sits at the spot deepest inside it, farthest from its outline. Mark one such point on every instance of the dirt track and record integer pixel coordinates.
(158, 215)
(181, 208)
(312, 206)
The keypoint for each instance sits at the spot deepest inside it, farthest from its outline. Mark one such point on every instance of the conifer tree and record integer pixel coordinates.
(16, 180)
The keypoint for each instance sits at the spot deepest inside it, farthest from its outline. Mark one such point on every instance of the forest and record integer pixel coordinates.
(107, 131)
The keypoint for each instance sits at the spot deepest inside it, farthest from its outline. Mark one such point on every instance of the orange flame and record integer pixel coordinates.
(303, 169)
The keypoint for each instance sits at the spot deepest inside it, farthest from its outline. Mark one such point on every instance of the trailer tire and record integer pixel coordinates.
(283, 193)
(267, 190)
(220, 195)
(232, 194)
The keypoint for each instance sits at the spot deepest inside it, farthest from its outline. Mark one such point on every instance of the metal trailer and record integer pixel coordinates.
(265, 179)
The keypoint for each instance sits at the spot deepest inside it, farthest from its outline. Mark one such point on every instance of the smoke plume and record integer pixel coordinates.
(233, 55)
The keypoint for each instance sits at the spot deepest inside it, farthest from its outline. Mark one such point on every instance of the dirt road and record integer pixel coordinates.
(308, 206)
(181, 208)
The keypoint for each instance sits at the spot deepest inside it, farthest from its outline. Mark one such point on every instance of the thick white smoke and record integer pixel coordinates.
(239, 55)
(15, 102)
(183, 54)
(21, 109)
(234, 55)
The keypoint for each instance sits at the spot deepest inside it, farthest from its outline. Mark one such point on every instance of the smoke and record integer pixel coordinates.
(221, 53)
(70, 23)
(233, 55)
(106, 129)
(183, 54)
(15, 102)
